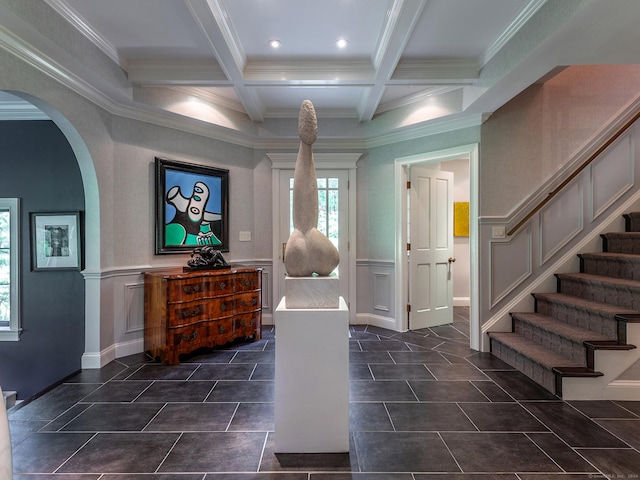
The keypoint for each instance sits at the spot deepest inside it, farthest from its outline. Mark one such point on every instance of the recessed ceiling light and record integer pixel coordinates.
(342, 43)
(275, 43)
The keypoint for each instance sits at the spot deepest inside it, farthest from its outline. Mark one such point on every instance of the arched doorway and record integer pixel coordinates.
(51, 170)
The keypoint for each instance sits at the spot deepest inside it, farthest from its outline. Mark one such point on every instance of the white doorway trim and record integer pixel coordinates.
(333, 161)
(469, 152)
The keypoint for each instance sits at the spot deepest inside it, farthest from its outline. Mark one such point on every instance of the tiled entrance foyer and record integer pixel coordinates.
(423, 406)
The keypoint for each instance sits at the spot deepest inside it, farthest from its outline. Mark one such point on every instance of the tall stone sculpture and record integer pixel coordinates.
(308, 250)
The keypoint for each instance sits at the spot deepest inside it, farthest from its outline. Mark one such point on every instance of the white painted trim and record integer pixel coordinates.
(377, 321)
(12, 205)
(524, 16)
(461, 301)
(471, 152)
(124, 349)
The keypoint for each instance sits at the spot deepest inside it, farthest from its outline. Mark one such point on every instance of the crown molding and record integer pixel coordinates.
(413, 99)
(432, 128)
(325, 160)
(209, 97)
(80, 24)
(452, 71)
(323, 72)
(324, 113)
(178, 72)
(529, 11)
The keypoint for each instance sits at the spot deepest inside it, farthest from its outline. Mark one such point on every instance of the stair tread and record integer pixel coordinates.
(577, 334)
(586, 304)
(621, 234)
(602, 279)
(622, 256)
(535, 352)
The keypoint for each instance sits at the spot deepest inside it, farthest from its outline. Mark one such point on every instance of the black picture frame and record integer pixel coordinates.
(201, 218)
(56, 242)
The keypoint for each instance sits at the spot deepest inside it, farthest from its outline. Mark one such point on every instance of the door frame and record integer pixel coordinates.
(333, 161)
(471, 153)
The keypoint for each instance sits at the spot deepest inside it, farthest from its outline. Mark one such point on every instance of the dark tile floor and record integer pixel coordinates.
(423, 406)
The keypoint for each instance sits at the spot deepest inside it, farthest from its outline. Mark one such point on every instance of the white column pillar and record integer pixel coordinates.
(6, 464)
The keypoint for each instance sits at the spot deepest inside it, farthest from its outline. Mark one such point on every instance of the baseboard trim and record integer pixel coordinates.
(377, 321)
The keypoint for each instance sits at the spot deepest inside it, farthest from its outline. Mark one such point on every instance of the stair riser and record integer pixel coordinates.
(624, 297)
(632, 221)
(564, 346)
(626, 269)
(622, 245)
(534, 371)
(604, 324)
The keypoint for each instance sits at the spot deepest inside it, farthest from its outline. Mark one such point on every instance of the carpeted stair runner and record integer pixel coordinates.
(588, 312)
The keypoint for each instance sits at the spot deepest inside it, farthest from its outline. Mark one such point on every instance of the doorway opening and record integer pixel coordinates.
(468, 154)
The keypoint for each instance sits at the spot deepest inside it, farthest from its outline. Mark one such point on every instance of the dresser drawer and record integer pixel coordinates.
(189, 337)
(186, 313)
(247, 302)
(192, 288)
(244, 325)
(245, 282)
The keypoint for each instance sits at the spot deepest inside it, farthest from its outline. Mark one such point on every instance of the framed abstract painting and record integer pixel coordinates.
(192, 207)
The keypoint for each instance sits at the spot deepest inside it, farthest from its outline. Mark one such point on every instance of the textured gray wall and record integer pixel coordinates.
(39, 167)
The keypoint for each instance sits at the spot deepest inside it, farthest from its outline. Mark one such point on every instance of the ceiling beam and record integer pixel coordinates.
(212, 19)
(401, 20)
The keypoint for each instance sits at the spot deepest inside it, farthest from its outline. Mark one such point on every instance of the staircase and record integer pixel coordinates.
(591, 313)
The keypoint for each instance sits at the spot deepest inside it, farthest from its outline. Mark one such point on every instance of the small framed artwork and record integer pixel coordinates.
(55, 241)
(460, 219)
(192, 205)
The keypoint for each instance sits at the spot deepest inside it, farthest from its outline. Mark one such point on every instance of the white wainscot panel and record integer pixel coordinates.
(381, 291)
(612, 175)
(510, 264)
(134, 307)
(561, 220)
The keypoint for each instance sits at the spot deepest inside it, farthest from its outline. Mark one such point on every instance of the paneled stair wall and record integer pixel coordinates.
(580, 339)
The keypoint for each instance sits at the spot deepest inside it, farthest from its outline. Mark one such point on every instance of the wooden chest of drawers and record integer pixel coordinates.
(185, 311)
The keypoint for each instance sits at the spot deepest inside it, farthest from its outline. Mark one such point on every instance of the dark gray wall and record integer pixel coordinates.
(38, 166)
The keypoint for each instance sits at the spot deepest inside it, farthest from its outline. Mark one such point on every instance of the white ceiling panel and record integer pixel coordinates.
(398, 50)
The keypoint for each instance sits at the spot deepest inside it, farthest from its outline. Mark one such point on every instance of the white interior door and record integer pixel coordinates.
(333, 219)
(431, 252)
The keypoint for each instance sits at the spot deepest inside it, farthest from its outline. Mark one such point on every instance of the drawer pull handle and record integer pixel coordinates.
(191, 313)
(221, 329)
(190, 338)
(252, 303)
(246, 282)
(189, 289)
(222, 285)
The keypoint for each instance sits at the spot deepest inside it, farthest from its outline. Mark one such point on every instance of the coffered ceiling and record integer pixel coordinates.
(409, 67)
(397, 52)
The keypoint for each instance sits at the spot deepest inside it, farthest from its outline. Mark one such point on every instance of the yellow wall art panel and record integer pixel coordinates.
(460, 219)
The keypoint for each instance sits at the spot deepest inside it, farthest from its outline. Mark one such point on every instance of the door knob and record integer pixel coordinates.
(451, 259)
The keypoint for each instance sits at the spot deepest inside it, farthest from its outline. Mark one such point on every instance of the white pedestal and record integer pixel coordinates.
(312, 379)
(6, 467)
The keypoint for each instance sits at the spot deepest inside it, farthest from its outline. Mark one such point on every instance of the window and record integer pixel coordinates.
(327, 208)
(9, 253)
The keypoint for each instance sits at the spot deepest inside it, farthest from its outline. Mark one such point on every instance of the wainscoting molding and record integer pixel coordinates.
(550, 241)
(375, 296)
